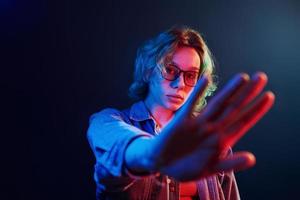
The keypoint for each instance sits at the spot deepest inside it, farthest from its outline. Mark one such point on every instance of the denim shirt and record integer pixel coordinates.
(109, 133)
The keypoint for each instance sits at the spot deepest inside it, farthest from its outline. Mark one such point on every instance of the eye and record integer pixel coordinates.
(191, 75)
(171, 70)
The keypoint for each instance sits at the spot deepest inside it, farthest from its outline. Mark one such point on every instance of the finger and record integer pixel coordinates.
(198, 92)
(237, 162)
(248, 118)
(217, 104)
(259, 81)
(244, 97)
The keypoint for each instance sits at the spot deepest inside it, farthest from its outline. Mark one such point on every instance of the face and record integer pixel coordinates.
(171, 95)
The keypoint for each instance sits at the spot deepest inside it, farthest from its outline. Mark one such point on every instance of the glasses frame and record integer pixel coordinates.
(179, 73)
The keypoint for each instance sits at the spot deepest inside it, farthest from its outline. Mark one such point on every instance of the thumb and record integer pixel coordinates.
(237, 162)
(199, 90)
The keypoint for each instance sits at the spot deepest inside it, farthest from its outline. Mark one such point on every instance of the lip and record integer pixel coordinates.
(175, 96)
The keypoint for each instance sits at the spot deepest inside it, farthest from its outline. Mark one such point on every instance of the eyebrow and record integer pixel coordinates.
(196, 69)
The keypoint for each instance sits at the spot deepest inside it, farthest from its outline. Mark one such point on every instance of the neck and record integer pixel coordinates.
(160, 114)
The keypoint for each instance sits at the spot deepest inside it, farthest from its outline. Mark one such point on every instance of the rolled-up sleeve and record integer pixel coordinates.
(109, 134)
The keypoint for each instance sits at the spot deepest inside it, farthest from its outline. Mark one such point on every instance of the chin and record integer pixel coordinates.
(173, 106)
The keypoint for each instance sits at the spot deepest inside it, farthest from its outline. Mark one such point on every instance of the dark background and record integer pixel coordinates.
(62, 60)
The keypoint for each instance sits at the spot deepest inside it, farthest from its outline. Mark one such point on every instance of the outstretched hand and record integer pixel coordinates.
(191, 148)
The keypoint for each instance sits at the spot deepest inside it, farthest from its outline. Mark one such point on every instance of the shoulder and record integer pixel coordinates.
(109, 114)
(136, 112)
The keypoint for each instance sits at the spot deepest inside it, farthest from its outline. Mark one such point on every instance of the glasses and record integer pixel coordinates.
(171, 72)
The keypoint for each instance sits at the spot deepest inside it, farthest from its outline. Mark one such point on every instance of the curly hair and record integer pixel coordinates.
(160, 49)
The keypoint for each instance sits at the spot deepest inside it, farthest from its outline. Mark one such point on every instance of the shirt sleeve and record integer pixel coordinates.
(108, 135)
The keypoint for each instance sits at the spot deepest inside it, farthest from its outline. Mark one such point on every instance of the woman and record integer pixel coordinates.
(168, 145)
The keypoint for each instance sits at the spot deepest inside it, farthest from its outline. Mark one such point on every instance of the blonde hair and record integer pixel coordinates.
(158, 50)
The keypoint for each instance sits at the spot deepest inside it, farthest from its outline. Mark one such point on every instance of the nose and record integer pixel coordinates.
(179, 82)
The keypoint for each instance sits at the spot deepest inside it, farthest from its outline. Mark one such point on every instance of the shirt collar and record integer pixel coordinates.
(139, 112)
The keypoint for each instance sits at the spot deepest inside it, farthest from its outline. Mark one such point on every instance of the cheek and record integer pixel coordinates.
(155, 88)
(159, 85)
(165, 85)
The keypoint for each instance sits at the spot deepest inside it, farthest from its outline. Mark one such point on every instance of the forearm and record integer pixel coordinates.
(139, 156)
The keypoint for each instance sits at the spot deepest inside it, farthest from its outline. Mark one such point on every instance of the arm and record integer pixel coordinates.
(189, 149)
(109, 135)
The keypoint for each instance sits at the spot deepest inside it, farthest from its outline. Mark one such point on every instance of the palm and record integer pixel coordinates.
(191, 148)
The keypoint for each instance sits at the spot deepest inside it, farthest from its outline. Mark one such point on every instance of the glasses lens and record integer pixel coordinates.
(170, 72)
(191, 78)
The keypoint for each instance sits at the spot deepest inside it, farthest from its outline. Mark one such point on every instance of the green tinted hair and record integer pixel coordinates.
(159, 50)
